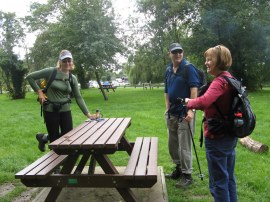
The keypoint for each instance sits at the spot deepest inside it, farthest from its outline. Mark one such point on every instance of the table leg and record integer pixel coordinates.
(53, 194)
(92, 165)
(126, 145)
(109, 168)
(82, 163)
(67, 168)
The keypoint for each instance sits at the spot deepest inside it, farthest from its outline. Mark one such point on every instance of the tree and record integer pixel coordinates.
(168, 21)
(242, 26)
(85, 27)
(13, 70)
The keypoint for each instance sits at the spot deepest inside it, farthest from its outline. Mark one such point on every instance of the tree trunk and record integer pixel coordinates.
(100, 86)
(254, 145)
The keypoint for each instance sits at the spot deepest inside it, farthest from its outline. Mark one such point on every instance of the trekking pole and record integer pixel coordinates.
(182, 100)
(201, 174)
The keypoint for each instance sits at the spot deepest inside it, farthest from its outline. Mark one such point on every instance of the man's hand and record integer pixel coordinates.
(190, 116)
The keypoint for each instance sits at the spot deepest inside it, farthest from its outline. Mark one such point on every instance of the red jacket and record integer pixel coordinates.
(220, 92)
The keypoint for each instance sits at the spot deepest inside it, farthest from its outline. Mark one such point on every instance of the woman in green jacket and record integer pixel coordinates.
(56, 101)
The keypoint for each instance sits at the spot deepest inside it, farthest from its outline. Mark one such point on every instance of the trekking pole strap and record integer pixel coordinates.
(201, 136)
(41, 110)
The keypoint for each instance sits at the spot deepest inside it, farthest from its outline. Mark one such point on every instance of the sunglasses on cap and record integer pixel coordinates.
(177, 51)
(68, 60)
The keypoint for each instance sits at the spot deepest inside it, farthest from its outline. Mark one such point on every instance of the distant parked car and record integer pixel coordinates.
(115, 83)
(93, 84)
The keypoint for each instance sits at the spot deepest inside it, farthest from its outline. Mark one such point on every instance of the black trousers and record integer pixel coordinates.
(57, 124)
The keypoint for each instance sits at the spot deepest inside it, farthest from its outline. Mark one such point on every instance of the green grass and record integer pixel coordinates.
(20, 120)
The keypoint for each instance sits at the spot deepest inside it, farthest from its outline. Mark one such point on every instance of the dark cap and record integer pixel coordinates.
(175, 46)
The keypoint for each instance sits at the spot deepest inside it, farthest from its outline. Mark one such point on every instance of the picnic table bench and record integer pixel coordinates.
(108, 87)
(95, 140)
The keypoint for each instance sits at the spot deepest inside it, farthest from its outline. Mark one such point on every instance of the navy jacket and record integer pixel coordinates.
(177, 85)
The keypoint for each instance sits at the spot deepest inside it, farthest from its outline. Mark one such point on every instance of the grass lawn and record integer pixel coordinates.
(20, 120)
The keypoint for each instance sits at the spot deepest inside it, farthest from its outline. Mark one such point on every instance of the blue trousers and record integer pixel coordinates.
(220, 154)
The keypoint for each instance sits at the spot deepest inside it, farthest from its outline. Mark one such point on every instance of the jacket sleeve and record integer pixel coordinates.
(41, 74)
(192, 76)
(165, 80)
(78, 97)
(215, 90)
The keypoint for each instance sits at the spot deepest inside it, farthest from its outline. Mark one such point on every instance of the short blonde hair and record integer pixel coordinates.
(59, 62)
(222, 55)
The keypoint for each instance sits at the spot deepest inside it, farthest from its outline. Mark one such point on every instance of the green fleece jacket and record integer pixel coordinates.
(59, 89)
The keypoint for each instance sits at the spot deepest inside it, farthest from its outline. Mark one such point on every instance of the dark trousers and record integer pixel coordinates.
(57, 124)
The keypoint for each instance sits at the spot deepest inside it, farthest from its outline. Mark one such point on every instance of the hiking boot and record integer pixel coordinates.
(176, 174)
(42, 140)
(184, 181)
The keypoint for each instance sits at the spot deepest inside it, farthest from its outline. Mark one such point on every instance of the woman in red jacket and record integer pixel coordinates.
(220, 146)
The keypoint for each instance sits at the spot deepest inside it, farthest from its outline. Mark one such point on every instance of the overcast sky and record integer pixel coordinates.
(20, 7)
(122, 8)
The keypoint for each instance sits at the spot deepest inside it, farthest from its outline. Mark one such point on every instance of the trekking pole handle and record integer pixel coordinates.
(183, 101)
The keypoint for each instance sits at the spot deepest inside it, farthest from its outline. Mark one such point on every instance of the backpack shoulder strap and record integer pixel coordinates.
(52, 77)
(216, 105)
(186, 66)
(70, 79)
(236, 84)
(185, 70)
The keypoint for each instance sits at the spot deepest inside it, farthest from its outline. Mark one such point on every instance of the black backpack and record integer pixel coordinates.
(201, 75)
(241, 117)
(52, 77)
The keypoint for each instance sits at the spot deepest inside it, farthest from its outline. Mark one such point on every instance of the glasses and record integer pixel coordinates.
(67, 61)
(177, 51)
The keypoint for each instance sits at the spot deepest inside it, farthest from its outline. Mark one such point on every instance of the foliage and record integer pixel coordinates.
(13, 71)
(242, 26)
(168, 22)
(85, 27)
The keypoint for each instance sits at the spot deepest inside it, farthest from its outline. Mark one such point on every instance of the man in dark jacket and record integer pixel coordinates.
(181, 81)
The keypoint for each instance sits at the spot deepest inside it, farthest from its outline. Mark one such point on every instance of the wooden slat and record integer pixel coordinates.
(33, 165)
(79, 134)
(86, 134)
(69, 134)
(108, 133)
(52, 165)
(115, 138)
(43, 165)
(153, 155)
(91, 140)
(143, 160)
(132, 163)
(142, 164)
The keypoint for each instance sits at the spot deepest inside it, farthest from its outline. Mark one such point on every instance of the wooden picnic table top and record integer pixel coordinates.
(93, 135)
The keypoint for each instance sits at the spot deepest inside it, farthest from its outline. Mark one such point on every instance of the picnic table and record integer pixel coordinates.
(95, 141)
(108, 87)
